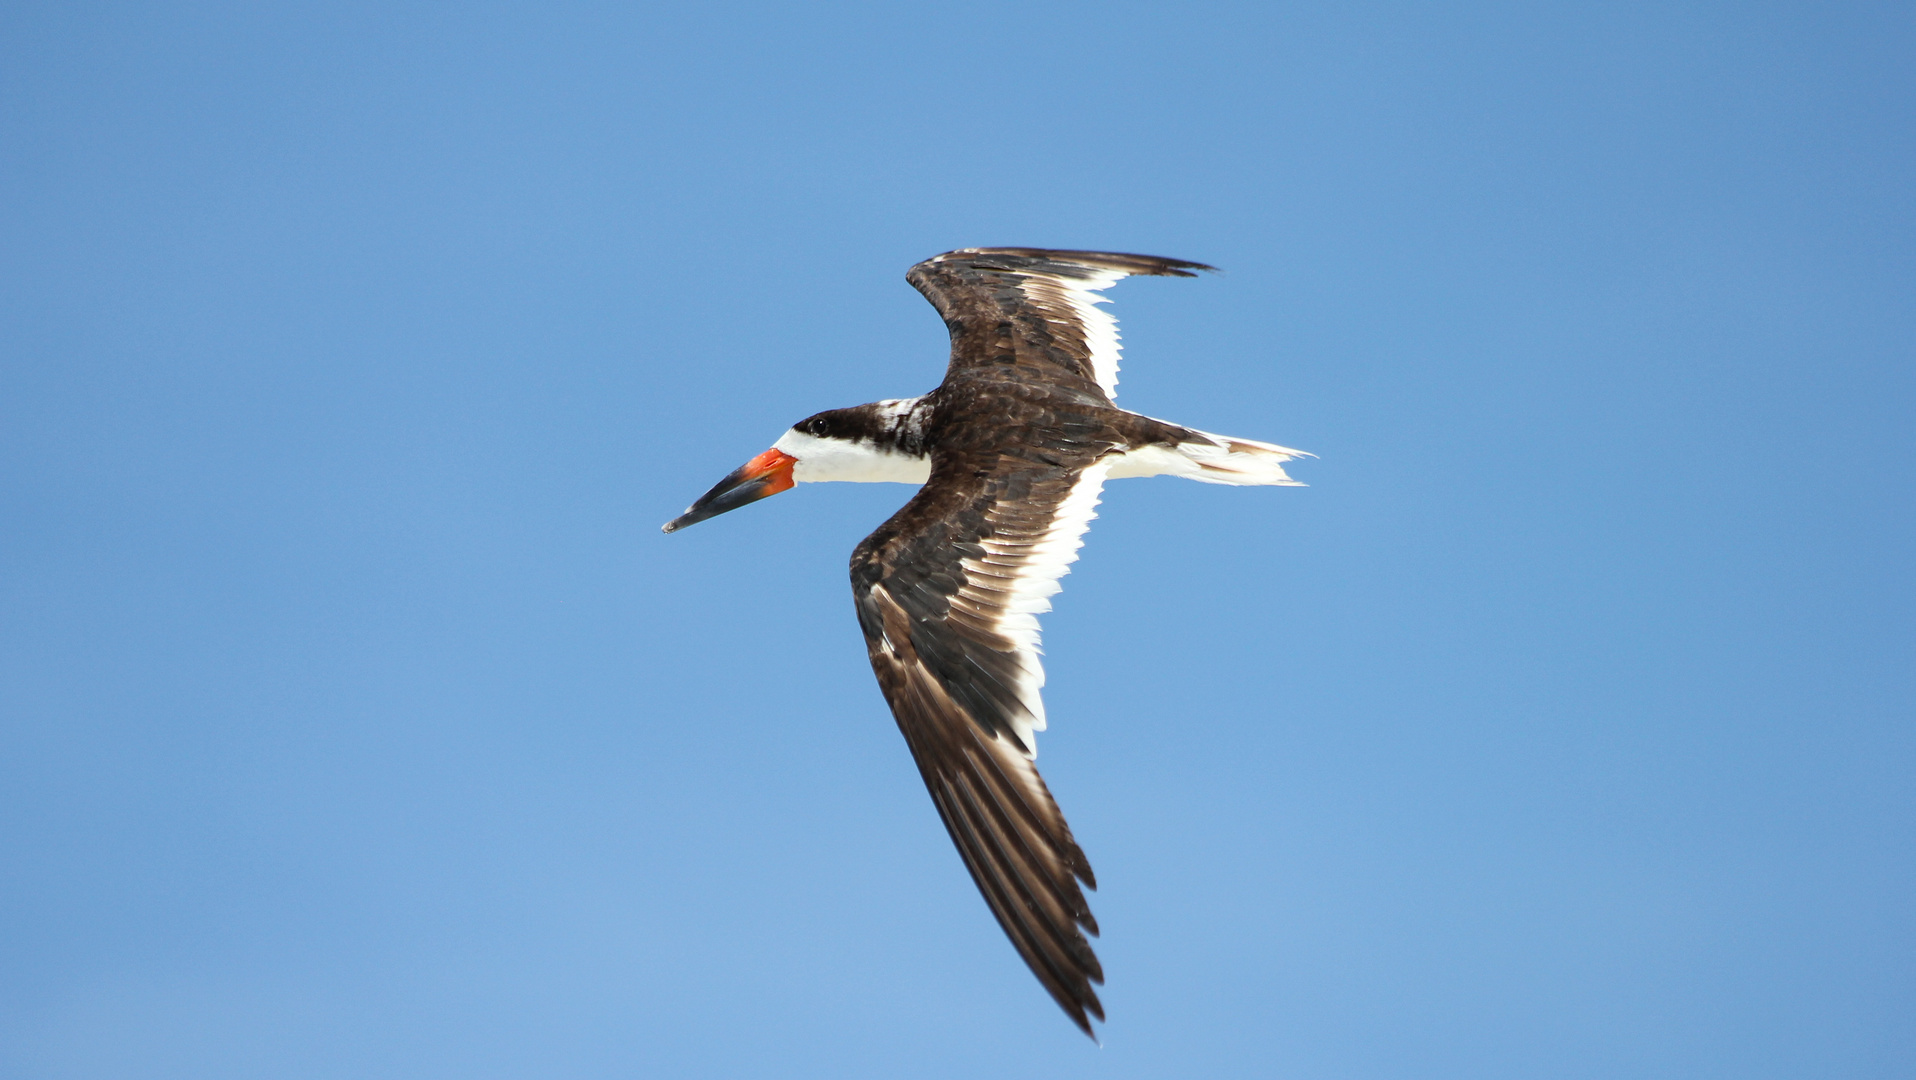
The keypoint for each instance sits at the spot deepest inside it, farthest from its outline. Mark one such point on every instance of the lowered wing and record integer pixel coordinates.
(948, 595)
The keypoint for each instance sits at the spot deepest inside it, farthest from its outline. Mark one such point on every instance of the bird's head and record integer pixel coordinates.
(865, 443)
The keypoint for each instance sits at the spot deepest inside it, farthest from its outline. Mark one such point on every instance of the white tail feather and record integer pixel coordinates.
(1220, 459)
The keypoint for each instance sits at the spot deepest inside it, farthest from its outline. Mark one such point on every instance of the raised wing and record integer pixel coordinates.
(1033, 307)
(949, 592)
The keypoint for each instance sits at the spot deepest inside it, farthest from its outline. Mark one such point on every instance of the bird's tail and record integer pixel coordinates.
(1226, 460)
(1213, 459)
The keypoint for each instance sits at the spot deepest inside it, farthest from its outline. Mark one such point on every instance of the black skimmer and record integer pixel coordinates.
(1012, 449)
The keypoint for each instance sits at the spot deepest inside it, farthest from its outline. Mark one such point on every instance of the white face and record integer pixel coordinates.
(824, 460)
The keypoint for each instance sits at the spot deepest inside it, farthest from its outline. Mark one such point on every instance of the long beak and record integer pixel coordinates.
(767, 474)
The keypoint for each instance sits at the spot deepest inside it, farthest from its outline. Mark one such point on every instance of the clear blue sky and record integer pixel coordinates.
(359, 722)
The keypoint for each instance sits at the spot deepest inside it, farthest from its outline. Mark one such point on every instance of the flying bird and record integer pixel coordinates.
(1012, 450)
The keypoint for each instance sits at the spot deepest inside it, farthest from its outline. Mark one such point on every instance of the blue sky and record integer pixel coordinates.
(359, 722)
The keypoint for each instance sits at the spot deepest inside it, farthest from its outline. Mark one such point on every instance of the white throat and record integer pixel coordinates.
(859, 462)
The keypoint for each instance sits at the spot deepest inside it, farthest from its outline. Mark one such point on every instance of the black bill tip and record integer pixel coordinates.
(767, 474)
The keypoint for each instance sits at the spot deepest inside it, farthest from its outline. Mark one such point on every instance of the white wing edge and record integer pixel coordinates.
(1080, 295)
(1028, 568)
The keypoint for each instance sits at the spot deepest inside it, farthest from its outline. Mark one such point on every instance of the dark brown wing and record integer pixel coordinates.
(1034, 308)
(948, 594)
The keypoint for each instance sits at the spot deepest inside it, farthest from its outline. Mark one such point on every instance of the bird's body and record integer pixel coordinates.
(1012, 450)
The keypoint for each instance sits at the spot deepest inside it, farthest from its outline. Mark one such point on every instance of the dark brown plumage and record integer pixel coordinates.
(1012, 450)
(1017, 421)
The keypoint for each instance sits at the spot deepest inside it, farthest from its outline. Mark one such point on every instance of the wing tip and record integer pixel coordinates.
(1122, 261)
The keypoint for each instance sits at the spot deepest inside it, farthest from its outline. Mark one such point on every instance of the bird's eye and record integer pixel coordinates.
(815, 426)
